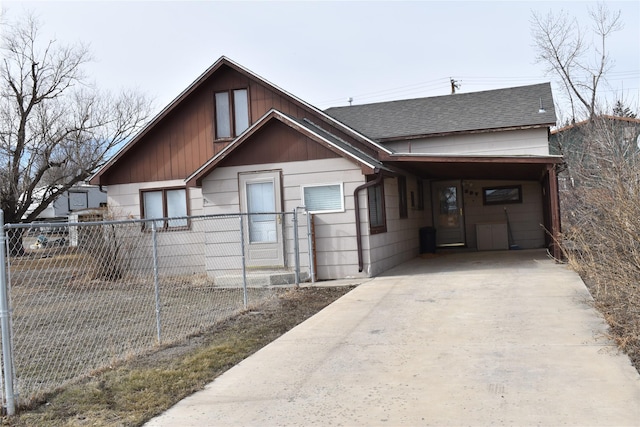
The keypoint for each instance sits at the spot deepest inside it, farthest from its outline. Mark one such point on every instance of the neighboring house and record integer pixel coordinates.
(80, 197)
(373, 175)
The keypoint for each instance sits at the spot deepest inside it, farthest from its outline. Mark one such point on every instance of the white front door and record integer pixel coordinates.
(260, 198)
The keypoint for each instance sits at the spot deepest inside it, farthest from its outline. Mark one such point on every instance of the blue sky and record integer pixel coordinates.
(326, 52)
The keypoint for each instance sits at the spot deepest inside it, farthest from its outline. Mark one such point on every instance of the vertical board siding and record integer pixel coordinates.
(190, 134)
(184, 140)
(277, 143)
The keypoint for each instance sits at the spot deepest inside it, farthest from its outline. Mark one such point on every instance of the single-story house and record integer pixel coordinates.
(374, 176)
(80, 197)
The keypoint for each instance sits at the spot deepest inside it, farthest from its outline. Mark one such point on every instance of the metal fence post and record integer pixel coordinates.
(296, 246)
(156, 284)
(5, 323)
(312, 269)
(244, 263)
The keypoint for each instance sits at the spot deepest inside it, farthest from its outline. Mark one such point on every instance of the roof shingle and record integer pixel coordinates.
(462, 112)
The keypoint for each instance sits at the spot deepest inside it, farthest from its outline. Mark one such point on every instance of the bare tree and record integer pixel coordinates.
(55, 128)
(601, 221)
(580, 65)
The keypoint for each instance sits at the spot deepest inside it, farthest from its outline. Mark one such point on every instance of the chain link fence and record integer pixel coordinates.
(83, 296)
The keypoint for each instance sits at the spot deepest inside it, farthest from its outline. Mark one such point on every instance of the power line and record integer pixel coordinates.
(442, 82)
(427, 87)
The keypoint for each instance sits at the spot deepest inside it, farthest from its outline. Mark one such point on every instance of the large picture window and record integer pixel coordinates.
(166, 203)
(323, 198)
(377, 216)
(232, 113)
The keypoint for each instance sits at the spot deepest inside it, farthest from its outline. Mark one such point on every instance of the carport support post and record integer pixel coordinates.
(7, 356)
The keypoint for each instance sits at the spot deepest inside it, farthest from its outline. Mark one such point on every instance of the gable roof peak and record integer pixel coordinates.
(222, 61)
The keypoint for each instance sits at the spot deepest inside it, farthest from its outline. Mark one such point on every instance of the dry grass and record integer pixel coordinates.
(133, 392)
(66, 325)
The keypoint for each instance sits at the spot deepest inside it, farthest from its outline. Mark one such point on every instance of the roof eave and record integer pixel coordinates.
(195, 180)
(448, 158)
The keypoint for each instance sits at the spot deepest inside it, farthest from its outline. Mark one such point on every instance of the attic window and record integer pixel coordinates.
(232, 113)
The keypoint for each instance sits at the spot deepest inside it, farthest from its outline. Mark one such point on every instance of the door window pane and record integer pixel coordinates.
(241, 110)
(223, 118)
(449, 209)
(260, 199)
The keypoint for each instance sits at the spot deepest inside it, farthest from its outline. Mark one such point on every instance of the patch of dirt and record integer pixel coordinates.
(285, 310)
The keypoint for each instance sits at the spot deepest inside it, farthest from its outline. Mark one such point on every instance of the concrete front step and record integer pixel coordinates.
(256, 279)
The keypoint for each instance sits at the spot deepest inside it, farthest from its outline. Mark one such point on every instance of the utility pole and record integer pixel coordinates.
(455, 84)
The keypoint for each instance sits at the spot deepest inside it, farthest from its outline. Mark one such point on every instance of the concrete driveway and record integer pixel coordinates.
(485, 338)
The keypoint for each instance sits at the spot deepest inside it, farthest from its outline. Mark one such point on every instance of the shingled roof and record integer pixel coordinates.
(515, 107)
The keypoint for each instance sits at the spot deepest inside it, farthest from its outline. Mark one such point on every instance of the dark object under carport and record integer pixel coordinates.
(427, 240)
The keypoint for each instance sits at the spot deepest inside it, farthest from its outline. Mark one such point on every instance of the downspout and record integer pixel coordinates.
(376, 181)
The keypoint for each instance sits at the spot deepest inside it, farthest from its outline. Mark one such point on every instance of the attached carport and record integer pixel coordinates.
(541, 169)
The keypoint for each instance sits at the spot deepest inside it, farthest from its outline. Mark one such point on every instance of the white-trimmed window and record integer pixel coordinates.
(323, 198)
(165, 203)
